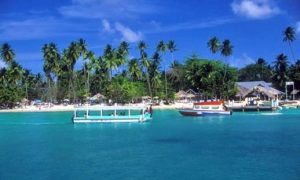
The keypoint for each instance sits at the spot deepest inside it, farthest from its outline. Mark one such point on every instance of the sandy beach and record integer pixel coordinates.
(59, 108)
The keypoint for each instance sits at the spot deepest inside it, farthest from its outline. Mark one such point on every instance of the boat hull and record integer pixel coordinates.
(191, 112)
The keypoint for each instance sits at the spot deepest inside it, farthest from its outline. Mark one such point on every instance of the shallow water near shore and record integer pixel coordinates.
(46, 145)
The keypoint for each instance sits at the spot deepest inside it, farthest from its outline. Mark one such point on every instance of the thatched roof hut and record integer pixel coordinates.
(247, 89)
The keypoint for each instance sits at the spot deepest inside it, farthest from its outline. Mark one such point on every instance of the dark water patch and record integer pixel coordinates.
(172, 140)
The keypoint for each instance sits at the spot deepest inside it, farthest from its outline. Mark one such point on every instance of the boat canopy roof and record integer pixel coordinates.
(212, 103)
(98, 108)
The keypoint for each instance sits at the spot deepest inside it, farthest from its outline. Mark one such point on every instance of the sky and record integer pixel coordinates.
(254, 27)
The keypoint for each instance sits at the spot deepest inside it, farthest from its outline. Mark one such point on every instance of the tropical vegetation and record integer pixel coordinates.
(123, 79)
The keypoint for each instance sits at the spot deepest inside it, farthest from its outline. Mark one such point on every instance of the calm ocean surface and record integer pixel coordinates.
(242, 146)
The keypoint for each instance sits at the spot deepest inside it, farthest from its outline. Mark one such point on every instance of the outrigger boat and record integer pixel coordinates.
(206, 108)
(106, 114)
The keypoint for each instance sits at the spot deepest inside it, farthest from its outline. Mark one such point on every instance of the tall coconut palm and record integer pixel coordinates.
(280, 71)
(7, 54)
(51, 66)
(154, 73)
(145, 63)
(70, 57)
(109, 58)
(88, 66)
(214, 45)
(134, 70)
(171, 46)
(122, 53)
(289, 36)
(161, 47)
(226, 51)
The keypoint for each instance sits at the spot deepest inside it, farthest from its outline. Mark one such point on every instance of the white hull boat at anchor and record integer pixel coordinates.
(206, 108)
(112, 114)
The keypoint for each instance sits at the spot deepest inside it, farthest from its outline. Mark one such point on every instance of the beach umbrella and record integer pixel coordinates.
(181, 94)
(190, 95)
(24, 100)
(98, 96)
(146, 97)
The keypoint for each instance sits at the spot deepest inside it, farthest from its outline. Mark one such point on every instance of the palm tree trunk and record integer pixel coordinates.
(73, 85)
(149, 85)
(292, 51)
(166, 83)
(49, 90)
(88, 82)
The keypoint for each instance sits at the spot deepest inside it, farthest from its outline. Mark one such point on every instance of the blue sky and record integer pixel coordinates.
(255, 27)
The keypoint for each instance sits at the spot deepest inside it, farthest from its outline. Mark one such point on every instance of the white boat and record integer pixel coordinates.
(206, 108)
(111, 114)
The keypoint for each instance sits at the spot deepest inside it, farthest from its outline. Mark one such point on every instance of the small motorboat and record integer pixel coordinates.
(206, 108)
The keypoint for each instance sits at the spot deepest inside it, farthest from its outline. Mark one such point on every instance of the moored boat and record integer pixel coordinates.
(105, 114)
(206, 108)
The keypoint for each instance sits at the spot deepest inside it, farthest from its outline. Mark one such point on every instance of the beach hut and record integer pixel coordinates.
(260, 89)
(97, 98)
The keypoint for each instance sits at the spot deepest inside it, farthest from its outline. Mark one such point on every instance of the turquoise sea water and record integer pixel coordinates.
(242, 146)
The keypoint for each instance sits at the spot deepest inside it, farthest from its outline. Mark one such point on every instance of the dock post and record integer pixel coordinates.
(101, 112)
(129, 112)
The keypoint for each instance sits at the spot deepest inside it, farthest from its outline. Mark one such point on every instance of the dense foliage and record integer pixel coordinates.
(123, 79)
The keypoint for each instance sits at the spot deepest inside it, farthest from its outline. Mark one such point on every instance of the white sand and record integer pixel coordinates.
(57, 108)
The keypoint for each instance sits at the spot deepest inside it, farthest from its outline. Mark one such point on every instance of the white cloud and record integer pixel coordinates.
(108, 8)
(128, 34)
(155, 27)
(241, 61)
(106, 26)
(298, 27)
(42, 28)
(255, 9)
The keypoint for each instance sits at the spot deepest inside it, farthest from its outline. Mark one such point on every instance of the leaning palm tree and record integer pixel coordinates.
(289, 36)
(145, 63)
(7, 54)
(214, 45)
(161, 47)
(226, 50)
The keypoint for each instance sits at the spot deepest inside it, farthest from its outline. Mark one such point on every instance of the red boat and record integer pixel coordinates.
(206, 108)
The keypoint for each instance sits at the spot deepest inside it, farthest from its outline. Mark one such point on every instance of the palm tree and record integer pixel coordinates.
(145, 63)
(226, 50)
(280, 71)
(122, 53)
(154, 73)
(176, 74)
(161, 47)
(7, 54)
(70, 57)
(134, 70)
(172, 48)
(51, 66)
(289, 36)
(214, 44)
(88, 66)
(109, 58)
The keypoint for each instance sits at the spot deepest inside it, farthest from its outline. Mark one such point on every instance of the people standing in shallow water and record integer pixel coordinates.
(150, 110)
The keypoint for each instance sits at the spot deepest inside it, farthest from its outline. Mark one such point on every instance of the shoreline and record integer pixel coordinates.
(70, 108)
